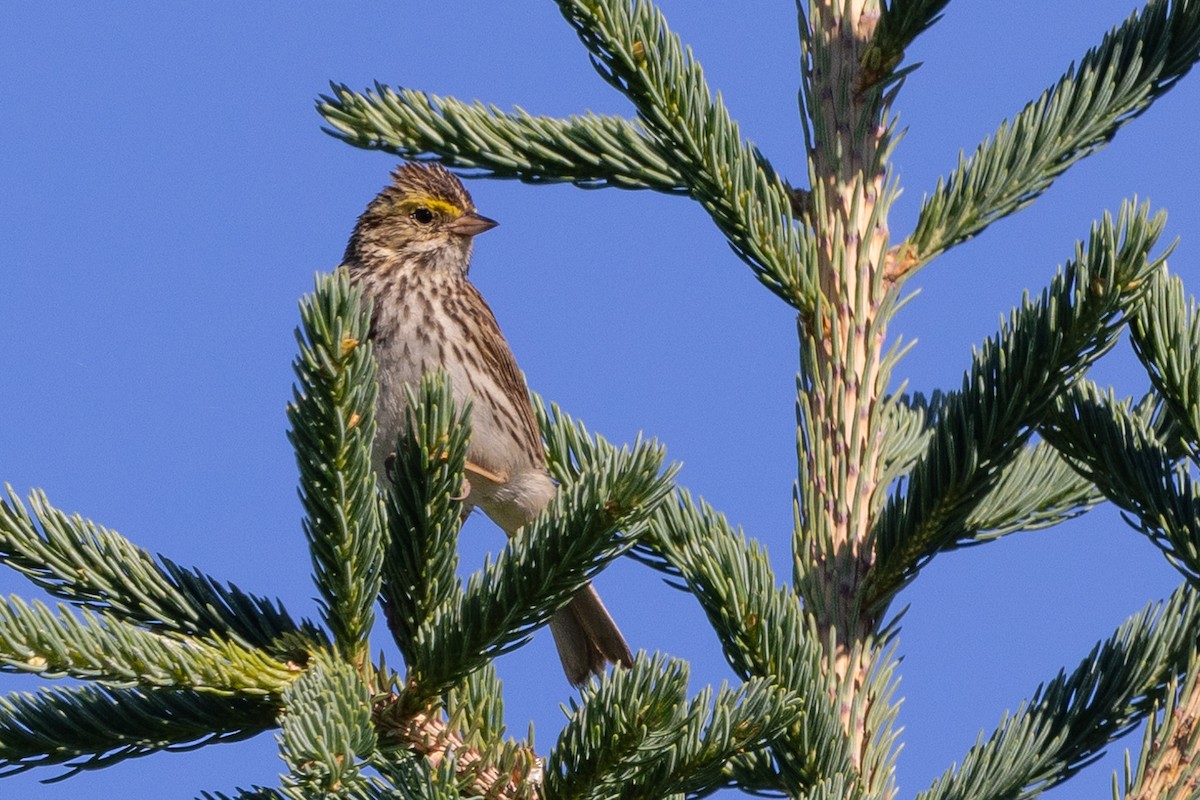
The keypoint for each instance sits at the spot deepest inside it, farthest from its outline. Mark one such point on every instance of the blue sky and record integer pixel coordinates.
(168, 196)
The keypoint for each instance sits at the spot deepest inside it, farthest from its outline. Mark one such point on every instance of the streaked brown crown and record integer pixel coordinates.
(426, 181)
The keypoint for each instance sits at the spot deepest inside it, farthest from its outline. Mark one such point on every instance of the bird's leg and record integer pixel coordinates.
(498, 478)
(473, 469)
(484, 477)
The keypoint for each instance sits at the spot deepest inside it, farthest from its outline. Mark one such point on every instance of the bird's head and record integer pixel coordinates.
(425, 218)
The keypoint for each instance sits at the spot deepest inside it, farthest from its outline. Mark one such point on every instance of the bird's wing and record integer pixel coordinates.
(498, 360)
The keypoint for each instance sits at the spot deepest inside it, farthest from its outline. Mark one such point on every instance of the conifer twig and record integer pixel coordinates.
(333, 429)
(1115, 81)
(1012, 382)
(588, 150)
(93, 567)
(1072, 718)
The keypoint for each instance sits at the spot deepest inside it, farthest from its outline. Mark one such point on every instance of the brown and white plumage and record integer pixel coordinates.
(411, 251)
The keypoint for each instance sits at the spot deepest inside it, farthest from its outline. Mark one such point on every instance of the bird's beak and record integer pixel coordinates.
(470, 224)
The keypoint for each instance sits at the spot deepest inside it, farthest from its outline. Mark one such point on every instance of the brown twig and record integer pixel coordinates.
(428, 734)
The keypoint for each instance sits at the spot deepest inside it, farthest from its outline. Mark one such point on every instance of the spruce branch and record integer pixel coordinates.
(587, 524)
(598, 513)
(686, 142)
(509, 772)
(326, 728)
(875, 736)
(476, 707)
(1116, 447)
(412, 778)
(447, 781)
(421, 583)
(740, 723)
(424, 512)
(571, 449)
(763, 630)
(1166, 337)
(602, 753)
(374, 790)
(90, 727)
(907, 421)
(35, 639)
(1014, 378)
(333, 427)
(606, 739)
(1135, 64)
(90, 566)
(1037, 489)
(634, 49)
(588, 150)
(415, 781)
(1068, 722)
(844, 374)
(900, 22)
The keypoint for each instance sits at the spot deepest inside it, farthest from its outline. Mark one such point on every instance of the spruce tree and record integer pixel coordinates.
(888, 478)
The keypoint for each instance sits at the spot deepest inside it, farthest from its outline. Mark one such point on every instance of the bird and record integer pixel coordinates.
(410, 252)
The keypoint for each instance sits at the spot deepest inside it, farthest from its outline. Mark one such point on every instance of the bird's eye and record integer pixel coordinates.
(422, 215)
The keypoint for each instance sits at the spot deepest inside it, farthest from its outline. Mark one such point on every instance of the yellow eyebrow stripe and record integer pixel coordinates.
(432, 203)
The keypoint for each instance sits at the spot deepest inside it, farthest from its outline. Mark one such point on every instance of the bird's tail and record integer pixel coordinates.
(587, 637)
